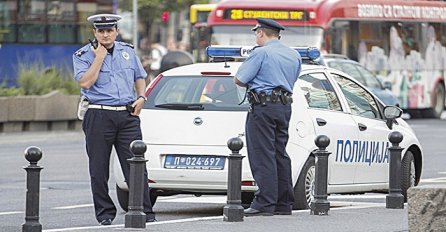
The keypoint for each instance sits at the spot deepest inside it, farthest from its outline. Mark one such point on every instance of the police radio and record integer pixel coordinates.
(94, 43)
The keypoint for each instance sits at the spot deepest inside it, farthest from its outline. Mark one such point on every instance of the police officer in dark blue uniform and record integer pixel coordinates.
(108, 73)
(269, 73)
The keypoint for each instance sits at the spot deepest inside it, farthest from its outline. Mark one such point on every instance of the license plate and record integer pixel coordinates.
(194, 162)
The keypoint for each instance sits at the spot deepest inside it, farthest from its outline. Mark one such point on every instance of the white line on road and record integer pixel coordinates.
(9, 213)
(121, 225)
(88, 228)
(74, 206)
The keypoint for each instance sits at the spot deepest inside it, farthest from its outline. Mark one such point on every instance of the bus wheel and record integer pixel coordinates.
(438, 102)
(408, 173)
(304, 188)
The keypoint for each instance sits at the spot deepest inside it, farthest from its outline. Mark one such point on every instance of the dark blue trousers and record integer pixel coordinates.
(103, 130)
(266, 139)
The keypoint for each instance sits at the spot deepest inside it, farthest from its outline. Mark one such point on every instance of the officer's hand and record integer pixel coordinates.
(137, 105)
(100, 51)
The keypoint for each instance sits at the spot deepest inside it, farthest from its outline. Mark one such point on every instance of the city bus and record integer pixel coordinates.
(198, 16)
(44, 33)
(403, 42)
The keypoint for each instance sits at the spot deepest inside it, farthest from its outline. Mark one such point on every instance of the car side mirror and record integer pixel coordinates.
(387, 85)
(391, 113)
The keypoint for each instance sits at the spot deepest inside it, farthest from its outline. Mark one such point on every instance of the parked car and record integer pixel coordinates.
(364, 76)
(192, 111)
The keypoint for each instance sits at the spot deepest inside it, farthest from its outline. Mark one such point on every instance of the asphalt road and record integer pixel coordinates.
(65, 197)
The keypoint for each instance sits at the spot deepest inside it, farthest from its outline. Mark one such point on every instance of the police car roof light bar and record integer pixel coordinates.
(311, 53)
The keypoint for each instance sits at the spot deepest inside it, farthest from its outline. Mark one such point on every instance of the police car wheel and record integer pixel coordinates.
(408, 173)
(123, 197)
(247, 198)
(304, 188)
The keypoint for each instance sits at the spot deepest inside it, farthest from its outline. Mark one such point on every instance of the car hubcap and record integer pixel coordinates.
(309, 184)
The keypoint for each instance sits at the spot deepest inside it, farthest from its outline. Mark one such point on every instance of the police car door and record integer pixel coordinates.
(328, 118)
(371, 156)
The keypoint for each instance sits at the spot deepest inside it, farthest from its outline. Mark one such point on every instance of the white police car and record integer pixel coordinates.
(192, 111)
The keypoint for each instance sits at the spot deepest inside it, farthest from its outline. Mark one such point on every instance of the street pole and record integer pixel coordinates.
(135, 25)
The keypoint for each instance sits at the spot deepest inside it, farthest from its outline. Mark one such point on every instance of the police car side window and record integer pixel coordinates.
(319, 92)
(360, 101)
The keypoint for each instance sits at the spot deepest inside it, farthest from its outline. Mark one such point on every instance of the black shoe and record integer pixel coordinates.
(105, 222)
(151, 220)
(282, 213)
(254, 212)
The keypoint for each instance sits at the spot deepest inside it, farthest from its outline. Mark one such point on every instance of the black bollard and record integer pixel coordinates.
(135, 217)
(233, 211)
(395, 199)
(33, 155)
(320, 205)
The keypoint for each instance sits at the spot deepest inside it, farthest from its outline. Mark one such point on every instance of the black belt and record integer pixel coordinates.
(268, 99)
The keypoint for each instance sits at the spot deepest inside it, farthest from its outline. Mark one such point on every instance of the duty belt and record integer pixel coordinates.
(277, 96)
(103, 107)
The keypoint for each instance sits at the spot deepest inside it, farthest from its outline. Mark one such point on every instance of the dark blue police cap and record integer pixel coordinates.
(104, 21)
(267, 23)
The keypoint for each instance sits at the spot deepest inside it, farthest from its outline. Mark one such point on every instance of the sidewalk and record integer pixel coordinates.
(364, 218)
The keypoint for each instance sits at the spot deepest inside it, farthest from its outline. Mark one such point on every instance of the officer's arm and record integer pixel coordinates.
(91, 75)
(238, 82)
(140, 87)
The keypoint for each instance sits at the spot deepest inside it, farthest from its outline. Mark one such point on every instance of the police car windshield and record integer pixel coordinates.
(208, 93)
(292, 36)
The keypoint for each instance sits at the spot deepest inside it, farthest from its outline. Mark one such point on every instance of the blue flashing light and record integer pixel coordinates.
(223, 51)
(244, 51)
(311, 53)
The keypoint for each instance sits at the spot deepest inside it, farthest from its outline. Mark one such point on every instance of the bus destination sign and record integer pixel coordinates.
(240, 14)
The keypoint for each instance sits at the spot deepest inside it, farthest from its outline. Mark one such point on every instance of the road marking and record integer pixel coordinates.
(150, 223)
(434, 180)
(11, 212)
(88, 228)
(73, 206)
(193, 199)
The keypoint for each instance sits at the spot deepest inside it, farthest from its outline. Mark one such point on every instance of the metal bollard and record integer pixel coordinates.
(233, 211)
(320, 205)
(33, 155)
(395, 199)
(135, 217)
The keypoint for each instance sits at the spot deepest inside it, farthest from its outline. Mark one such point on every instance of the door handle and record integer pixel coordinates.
(362, 127)
(321, 122)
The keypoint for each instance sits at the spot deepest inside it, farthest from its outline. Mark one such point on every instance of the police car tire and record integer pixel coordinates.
(123, 197)
(408, 178)
(247, 198)
(300, 198)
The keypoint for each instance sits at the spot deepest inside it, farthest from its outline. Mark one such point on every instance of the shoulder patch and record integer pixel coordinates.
(79, 52)
(127, 44)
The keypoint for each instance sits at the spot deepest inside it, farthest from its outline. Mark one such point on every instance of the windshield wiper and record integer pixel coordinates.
(181, 106)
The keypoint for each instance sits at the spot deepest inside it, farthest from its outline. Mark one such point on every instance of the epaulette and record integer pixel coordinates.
(127, 44)
(255, 47)
(79, 52)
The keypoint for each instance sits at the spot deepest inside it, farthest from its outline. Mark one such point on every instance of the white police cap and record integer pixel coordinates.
(104, 21)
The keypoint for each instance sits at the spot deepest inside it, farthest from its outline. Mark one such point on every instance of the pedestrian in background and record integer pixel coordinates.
(269, 73)
(108, 73)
